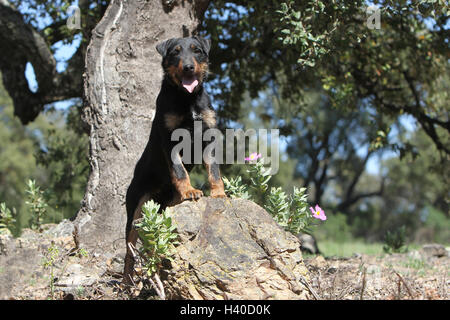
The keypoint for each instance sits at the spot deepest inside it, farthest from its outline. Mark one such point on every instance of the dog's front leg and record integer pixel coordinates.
(181, 181)
(215, 181)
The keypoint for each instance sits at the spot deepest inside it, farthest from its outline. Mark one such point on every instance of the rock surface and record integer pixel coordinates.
(22, 261)
(434, 250)
(228, 249)
(308, 243)
(233, 249)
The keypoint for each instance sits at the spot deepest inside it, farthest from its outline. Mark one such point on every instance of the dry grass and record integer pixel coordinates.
(380, 277)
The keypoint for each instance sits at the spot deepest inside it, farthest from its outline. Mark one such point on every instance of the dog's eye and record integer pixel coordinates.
(176, 51)
(197, 50)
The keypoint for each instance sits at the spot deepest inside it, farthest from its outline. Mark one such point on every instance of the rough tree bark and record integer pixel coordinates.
(121, 83)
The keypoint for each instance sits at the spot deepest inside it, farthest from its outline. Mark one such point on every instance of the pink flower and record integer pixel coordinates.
(318, 213)
(253, 156)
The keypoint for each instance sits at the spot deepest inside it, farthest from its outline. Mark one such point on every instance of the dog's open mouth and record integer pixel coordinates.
(189, 83)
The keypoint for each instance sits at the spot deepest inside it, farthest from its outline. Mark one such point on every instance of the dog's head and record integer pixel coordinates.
(185, 61)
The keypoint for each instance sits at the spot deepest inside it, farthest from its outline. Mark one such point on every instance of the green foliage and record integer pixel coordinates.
(235, 188)
(64, 155)
(56, 12)
(395, 241)
(6, 219)
(289, 211)
(293, 47)
(299, 218)
(156, 232)
(49, 262)
(17, 163)
(418, 264)
(53, 151)
(330, 248)
(438, 224)
(297, 33)
(83, 253)
(259, 179)
(278, 206)
(337, 229)
(37, 204)
(344, 106)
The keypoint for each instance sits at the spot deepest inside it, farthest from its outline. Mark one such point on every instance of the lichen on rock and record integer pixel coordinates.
(232, 249)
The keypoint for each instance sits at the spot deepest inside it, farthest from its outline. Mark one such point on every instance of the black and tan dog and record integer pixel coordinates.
(181, 101)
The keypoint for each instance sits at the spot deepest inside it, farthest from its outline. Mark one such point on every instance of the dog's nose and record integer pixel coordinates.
(188, 68)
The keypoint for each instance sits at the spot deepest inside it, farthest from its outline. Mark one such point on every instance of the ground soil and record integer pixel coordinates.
(416, 275)
(412, 275)
(389, 277)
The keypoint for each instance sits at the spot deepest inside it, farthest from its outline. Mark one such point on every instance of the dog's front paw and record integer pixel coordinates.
(191, 194)
(218, 194)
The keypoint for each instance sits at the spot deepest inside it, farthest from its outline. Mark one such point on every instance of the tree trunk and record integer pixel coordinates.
(121, 83)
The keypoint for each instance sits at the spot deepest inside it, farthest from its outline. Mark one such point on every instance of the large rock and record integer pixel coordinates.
(308, 243)
(233, 249)
(229, 249)
(22, 259)
(434, 250)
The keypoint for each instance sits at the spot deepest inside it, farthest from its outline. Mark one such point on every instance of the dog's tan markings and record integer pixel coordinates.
(185, 190)
(216, 185)
(200, 69)
(197, 69)
(172, 120)
(175, 72)
(184, 187)
(209, 118)
(204, 68)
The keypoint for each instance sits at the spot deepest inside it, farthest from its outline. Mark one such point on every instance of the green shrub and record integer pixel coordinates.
(439, 225)
(394, 241)
(235, 188)
(156, 232)
(289, 211)
(37, 204)
(49, 262)
(6, 219)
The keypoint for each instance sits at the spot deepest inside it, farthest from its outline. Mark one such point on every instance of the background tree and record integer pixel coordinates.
(123, 77)
(341, 93)
(293, 46)
(52, 151)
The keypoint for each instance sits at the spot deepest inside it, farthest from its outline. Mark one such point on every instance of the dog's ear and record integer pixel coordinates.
(206, 43)
(163, 47)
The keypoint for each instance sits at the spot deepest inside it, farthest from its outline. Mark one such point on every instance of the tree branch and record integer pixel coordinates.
(428, 123)
(20, 43)
(350, 201)
(358, 173)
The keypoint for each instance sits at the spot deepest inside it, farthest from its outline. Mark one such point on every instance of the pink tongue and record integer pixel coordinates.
(190, 83)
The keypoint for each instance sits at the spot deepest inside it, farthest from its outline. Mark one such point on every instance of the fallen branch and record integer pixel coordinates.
(156, 282)
(406, 285)
(363, 287)
(308, 286)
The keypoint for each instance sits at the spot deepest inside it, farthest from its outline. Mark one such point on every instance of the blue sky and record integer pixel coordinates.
(63, 52)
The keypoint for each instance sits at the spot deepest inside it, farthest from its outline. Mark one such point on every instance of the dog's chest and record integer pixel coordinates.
(175, 120)
(196, 115)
